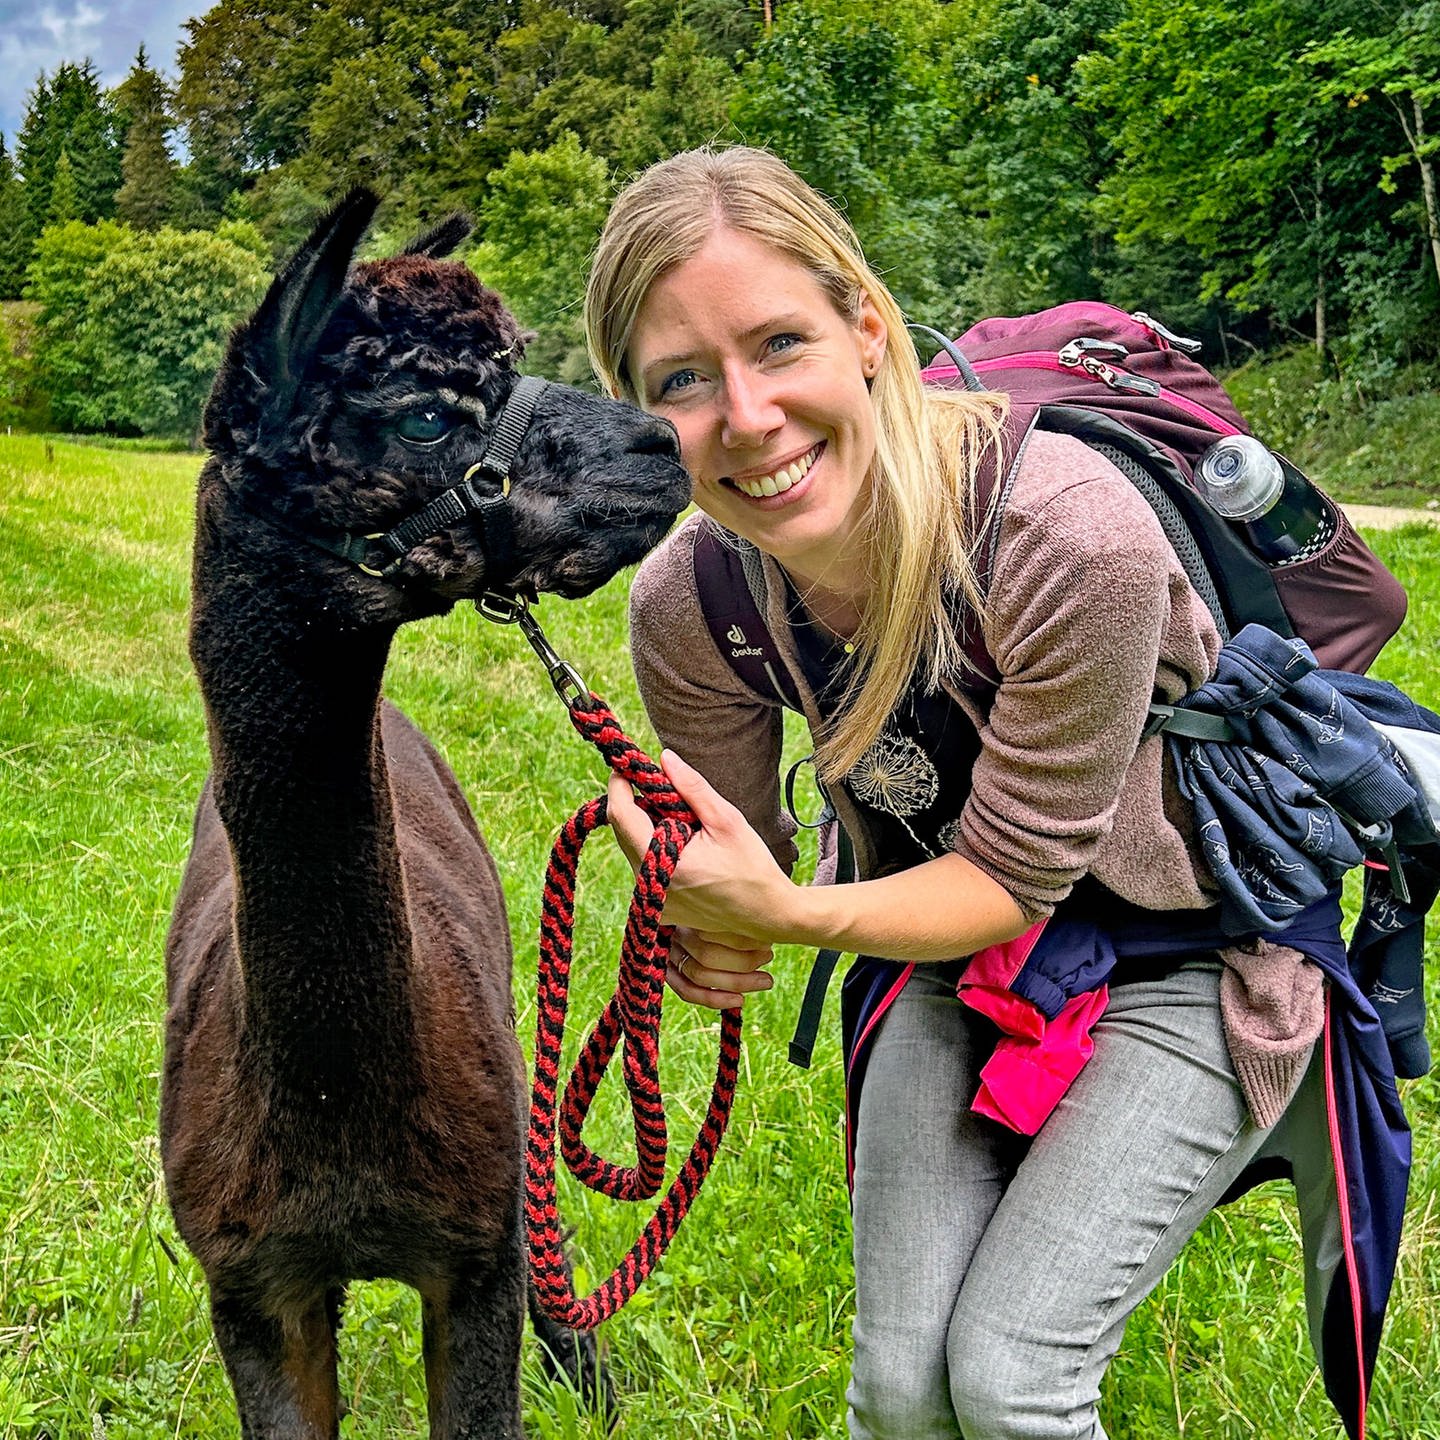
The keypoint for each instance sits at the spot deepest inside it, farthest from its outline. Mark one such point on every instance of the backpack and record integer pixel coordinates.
(1131, 390)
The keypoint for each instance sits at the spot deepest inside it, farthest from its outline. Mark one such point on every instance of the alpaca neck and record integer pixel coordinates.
(292, 692)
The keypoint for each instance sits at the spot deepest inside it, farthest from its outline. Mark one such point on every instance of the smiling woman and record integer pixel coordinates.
(766, 383)
(1026, 842)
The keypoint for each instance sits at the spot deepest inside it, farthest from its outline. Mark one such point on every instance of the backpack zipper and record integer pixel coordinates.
(1097, 369)
(1167, 338)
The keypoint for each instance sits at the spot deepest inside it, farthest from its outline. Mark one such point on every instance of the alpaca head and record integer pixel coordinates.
(357, 393)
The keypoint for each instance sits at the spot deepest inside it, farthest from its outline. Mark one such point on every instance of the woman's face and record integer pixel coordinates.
(764, 379)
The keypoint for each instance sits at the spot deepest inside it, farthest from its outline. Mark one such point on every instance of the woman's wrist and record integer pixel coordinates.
(814, 917)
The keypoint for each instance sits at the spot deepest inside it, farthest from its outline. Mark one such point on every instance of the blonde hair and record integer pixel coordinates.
(916, 533)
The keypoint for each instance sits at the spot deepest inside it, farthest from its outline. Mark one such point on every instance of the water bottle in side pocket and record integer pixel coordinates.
(1285, 519)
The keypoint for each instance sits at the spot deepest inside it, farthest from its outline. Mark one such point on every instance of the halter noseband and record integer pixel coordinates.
(381, 552)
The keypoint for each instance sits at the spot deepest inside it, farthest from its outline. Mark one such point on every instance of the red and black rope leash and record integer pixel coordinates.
(631, 1018)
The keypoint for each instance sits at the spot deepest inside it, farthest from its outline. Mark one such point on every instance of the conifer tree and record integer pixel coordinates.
(146, 198)
(69, 113)
(64, 193)
(14, 228)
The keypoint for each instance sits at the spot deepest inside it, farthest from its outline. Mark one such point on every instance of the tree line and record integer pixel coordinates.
(1259, 171)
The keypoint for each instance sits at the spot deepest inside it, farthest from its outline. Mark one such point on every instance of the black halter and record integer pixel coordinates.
(381, 552)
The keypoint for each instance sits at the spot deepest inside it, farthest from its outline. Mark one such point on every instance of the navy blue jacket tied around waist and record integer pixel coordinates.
(1303, 783)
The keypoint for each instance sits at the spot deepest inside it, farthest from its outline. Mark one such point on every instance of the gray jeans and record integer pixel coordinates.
(995, 1274)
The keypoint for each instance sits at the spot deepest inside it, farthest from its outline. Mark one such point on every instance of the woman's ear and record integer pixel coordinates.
(872, 337)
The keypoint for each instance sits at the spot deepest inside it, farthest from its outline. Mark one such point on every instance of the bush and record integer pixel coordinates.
(1283, 397)
(133, 324)
(23, 405)
(12, 380)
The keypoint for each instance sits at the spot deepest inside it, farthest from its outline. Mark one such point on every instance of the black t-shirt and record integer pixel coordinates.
(913, 780)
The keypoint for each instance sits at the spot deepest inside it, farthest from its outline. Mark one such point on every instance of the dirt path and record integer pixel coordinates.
(1387, 517)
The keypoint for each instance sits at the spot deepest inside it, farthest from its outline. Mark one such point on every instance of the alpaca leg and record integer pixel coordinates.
(282, 1367)
(473, 1325)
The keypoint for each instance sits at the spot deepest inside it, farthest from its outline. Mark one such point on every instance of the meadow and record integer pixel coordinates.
(743, 1331)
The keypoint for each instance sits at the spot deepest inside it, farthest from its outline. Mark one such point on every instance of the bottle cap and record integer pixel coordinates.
(1239, 477)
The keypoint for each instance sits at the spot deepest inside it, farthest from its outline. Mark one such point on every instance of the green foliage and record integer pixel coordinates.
(23, 404)
(687, 102)
(14, 228)
(856, 103)
(12, 380)
(67, 115)
(1255, 171)
(64, 193)
(133, 323)
(1225, 144)
(1028, 158)
(1374, 445)
(148, 194)
(541, 220)
(842, 94)
(1400, 66)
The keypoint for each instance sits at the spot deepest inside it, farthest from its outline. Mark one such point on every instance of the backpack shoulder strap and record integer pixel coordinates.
(727, 587)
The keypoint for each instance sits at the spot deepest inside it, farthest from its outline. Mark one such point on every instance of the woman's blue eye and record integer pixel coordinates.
(680, 380)
(424, 427)
(778, 344)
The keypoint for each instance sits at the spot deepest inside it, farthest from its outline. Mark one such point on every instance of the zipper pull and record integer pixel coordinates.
(1073, 353)
(1169, 337)
(1118, 379)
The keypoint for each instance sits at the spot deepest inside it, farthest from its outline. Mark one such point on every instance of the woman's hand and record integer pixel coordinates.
(707, 971)
(724, 899)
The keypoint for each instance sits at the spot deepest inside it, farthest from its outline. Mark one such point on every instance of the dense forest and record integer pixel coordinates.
(1262, 172)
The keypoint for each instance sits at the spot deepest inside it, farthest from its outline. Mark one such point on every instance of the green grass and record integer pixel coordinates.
(744, 1330)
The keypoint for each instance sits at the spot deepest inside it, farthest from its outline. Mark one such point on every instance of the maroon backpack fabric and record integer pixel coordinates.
(1125, 381)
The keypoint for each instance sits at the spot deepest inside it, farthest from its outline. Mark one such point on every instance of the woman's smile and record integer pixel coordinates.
(786, 478)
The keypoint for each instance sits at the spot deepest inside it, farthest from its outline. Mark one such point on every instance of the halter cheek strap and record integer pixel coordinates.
(381, 552)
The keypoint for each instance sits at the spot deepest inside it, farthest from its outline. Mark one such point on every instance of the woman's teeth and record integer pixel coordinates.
(781, 480)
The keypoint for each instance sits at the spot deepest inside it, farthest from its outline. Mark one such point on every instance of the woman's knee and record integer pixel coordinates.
(1000, 1390)
(980, 1394)
(897, 1403)
(898, 1388)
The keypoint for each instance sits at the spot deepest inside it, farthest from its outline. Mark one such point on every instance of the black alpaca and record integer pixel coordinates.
(344, 1096)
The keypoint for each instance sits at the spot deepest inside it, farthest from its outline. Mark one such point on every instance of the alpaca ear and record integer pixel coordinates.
(440, 240)
(285, 331)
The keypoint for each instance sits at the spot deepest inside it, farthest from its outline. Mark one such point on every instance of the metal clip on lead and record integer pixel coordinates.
(515, 610)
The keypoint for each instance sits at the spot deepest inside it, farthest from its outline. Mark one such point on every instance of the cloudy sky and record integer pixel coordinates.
(37, 35)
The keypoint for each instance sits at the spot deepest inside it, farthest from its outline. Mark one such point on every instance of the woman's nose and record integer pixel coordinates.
(750, 411)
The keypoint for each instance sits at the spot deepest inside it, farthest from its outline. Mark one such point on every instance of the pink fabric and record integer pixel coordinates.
(1023, 1080)
(1012, 1013)
(996, 966)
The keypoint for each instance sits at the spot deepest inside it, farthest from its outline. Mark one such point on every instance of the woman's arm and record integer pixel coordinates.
(731, 902)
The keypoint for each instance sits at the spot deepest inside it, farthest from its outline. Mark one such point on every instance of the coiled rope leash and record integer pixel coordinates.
(632, 1016)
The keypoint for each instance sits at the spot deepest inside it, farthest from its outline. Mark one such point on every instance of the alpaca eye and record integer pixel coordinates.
(424, 427)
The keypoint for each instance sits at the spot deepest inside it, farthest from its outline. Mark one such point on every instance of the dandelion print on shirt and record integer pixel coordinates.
(895, 775)
(912, 782)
